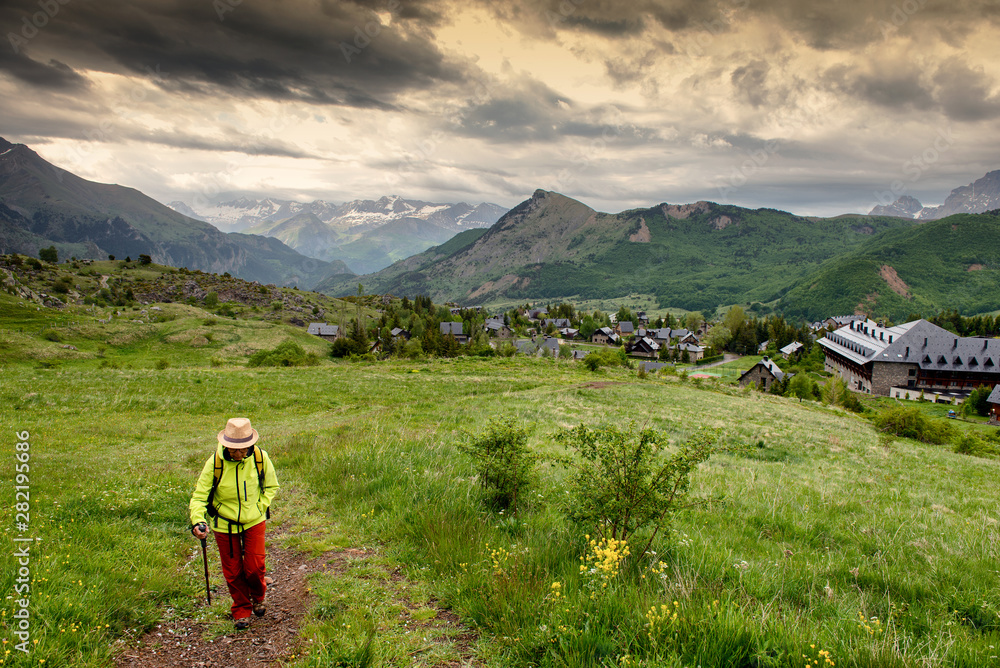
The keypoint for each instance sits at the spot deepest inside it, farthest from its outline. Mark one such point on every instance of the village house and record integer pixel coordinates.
(454, 329)
(605, 336)
(569, 333)
(324, 331)
(695, 352)
(400, 333)
(496, 328)
(625, 328)
(791, 349)
(909, 359)
(558, 323)
(644, 347)
(764, 373)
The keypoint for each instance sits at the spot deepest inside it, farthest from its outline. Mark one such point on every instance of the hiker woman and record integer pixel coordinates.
(235, 489)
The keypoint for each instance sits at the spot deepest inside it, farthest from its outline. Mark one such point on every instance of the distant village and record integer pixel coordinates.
(914, 360)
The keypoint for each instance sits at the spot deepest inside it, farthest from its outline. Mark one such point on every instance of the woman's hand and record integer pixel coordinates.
(200, 530)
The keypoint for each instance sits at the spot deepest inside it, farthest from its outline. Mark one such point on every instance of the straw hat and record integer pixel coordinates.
(238, 434)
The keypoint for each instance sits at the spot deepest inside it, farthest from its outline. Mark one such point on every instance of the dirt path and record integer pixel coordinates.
(182, 642)
(210, 641)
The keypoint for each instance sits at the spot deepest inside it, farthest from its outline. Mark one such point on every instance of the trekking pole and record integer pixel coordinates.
(204, 556)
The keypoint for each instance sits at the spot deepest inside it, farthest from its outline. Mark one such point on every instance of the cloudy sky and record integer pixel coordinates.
(815, 107)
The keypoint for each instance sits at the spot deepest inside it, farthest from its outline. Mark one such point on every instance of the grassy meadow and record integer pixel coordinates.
(819, 546)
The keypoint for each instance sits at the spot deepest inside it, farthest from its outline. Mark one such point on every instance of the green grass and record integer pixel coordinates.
(814, 530)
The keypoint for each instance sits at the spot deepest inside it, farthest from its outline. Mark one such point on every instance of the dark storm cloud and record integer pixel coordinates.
(53, 74)
(960, 92)
(334, 53)
(896, 87)
(965, 92)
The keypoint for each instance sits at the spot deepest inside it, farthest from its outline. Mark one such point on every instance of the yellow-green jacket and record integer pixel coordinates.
(238, 498)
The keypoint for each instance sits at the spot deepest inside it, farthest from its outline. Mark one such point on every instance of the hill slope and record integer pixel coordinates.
(696, 256)
(94, 220)
(952, 263)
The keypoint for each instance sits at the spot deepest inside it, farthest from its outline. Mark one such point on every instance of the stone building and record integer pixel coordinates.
(763, 373)
(905, 360)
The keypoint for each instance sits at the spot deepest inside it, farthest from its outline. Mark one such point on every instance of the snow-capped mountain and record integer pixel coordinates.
(366, 234)
(977, 197)
(243, 213)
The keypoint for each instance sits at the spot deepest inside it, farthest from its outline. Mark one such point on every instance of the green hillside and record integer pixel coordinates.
(952, 263)
(695, 256)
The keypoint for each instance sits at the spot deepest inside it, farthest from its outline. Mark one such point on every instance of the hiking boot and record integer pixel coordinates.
(259, 608)
(242, 624)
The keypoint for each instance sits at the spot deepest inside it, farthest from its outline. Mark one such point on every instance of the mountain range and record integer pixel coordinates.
(703, 255)
(367, 235)
(42, 205)
(978, 197)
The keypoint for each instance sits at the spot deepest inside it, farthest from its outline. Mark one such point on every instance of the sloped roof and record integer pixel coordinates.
(323, 329)
(994, 397)
(792, 347)
(919, 342)
(626, 327)
(768, 364)
(453, 328)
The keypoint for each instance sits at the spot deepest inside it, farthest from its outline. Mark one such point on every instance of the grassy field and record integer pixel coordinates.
(820, 546)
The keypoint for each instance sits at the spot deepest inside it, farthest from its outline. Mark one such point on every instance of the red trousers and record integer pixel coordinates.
(243, 565)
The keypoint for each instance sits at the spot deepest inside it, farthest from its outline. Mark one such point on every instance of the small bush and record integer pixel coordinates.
(162, 364)
(971, 444)
(607, 357)
(504, 464)
(52, 335)
(287, 353)
(909, 422)
(215, 361)
(623, 484)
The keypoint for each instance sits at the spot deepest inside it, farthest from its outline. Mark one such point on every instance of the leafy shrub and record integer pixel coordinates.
(909, 422)
(212, 299)
(215, 361)
(971, 444)
(504, 464)
(623, 484)
(606, 357)
(287, 353)
(144, 259)
(162, 364)
(49, 254)
(52, 335)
